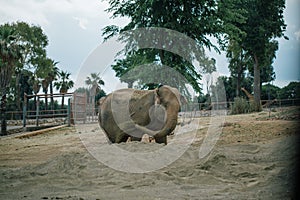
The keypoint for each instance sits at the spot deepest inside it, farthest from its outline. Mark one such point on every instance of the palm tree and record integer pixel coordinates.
(94, 82)
(52, 76)
(45, 69)
(64, 84)
(10, 55)
(45, 85)
(36, 86)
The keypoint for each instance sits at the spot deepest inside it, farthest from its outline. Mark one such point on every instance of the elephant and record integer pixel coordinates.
(132, 113)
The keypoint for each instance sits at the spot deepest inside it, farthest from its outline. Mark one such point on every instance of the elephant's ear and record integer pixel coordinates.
(170, 91)
(156, 96)
(101, 100)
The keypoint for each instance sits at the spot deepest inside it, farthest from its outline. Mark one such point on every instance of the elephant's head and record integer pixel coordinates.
(168, 105)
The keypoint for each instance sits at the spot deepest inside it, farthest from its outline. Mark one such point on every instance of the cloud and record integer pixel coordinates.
(81, 22)
(297, 34)
(38, 12)
(11, 11)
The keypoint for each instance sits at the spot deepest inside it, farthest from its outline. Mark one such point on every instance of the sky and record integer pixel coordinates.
(74, 29)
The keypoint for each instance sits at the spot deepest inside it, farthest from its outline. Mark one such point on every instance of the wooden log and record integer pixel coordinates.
(38, 132)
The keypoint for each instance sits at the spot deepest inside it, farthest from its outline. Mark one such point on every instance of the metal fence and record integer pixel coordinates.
(78, 110)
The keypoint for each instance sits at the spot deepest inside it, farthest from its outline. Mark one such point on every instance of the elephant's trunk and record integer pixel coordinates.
(169, 98)
(171, 122)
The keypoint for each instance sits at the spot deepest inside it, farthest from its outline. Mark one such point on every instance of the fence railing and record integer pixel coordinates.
(85, 113)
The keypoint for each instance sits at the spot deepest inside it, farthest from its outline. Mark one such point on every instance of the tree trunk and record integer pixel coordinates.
(34, 102)
(238, 82)
(3, 114)
(51, 93)
(18, 92)
(130, 84)
(239, 77)
(238, 86)
(46, 100)
(256, 85)
(45, 85)
(63, 101)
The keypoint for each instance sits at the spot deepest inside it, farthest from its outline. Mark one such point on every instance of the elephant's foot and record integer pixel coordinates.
(161, 140)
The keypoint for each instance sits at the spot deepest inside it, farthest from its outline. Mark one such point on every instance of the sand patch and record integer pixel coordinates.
(253, 159)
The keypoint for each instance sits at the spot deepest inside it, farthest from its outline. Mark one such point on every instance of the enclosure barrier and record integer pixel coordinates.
(80, 110)
(39, 114)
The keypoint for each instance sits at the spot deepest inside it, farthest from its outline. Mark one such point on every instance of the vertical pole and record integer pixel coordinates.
(69, 112)
(86, 107)
(37, 111)
(24, 112)
(269, 100)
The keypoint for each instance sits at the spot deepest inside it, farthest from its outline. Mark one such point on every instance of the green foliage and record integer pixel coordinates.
(64, 83)
(271, 90)
(31, 42)
(10, 56)
(232, 15)
(94, 81)
(196, 19)
(291, 91)
(263, 23)
(240, 106)
(204, 101)
(239, 61)
(98, 95)
(34, 41)
(230, 87)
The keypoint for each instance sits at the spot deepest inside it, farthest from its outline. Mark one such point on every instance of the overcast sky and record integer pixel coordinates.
(74, 28)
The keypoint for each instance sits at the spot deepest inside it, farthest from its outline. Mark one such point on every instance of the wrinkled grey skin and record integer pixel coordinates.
(133, 113)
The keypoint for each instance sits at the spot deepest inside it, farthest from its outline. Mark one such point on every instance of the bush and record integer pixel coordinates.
(240, 106)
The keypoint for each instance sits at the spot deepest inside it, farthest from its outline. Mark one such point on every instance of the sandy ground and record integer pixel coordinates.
(255, 158)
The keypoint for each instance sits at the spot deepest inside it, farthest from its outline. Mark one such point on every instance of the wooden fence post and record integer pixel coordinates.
(69, 112)
(37, 113)
(24, 112)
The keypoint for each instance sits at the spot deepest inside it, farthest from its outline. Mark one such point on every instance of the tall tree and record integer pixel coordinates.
(209, 68)
(64, 84)
(34, 42)
(53, 73)
(94, 83)
(25, 76)
(239, 60)
(94, 80)
(10, 56)
(264, 23)
(36, 86)
(46, 70)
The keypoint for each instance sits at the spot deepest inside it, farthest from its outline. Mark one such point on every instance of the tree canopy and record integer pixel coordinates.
(196, 19)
